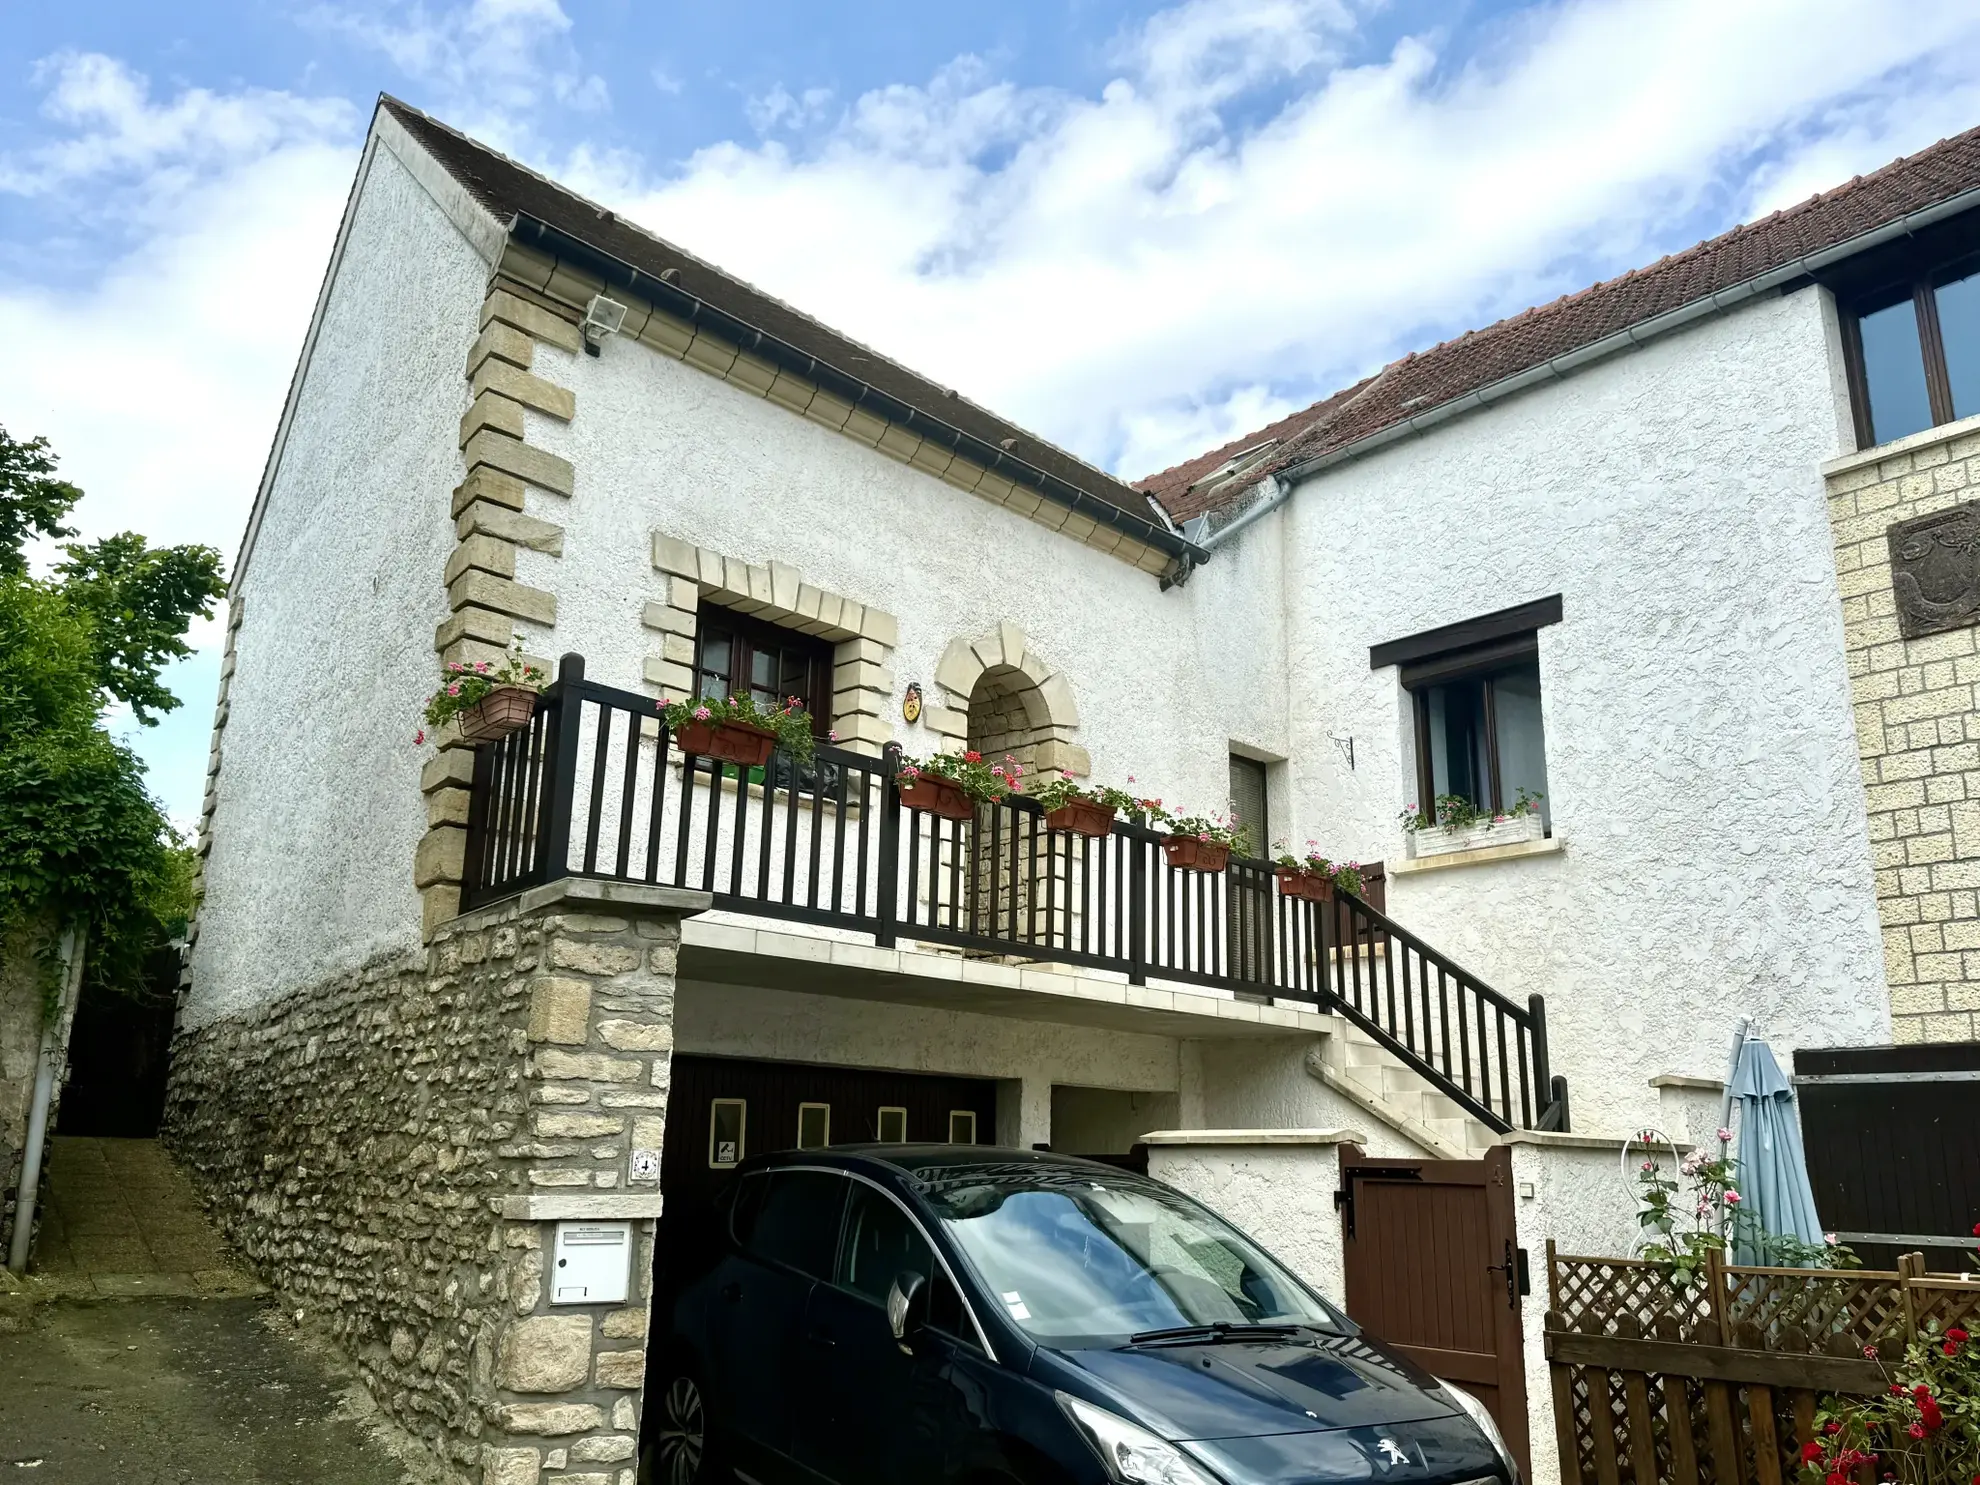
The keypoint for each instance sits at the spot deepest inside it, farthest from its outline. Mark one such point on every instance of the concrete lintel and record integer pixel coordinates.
(626, 896)
(613, 1206)
(1255, 1137)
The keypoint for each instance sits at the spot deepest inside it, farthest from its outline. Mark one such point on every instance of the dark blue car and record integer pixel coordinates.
(957, 1315)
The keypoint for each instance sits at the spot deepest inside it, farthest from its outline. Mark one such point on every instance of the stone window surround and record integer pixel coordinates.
(863, 637)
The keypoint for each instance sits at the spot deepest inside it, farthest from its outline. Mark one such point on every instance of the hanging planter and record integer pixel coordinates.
(1189, 853)
(1306, 885)
(738, 730)
(1082, 817)
(484, 702)
(936, 796)
(730, 742)
(503, 710)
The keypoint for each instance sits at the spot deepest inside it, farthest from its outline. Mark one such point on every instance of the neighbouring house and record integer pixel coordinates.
(1682, 555)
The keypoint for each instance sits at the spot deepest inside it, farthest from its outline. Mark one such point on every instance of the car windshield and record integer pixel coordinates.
(1080, 1260)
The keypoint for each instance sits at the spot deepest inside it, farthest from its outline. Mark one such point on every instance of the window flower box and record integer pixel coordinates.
(1188, 853)
(1082, 817)
(730, 742)
(1507, 830)
(938, 796)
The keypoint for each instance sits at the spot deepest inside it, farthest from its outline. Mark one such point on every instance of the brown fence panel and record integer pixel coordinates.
(1719, 1385)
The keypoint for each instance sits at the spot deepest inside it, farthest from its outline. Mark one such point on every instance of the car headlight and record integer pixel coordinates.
(1132, 1454)
(1476, 1411)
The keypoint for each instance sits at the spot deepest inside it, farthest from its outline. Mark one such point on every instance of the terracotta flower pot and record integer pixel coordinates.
(503, 710)
(1082, 817)
(937, 797)
(731, 742)
(1187, 853)
(1304, 884)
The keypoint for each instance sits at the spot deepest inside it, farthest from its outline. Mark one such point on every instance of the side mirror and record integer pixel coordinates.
(907, 1306)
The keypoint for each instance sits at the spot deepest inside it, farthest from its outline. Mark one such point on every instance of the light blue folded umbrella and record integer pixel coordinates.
(1773, 1172)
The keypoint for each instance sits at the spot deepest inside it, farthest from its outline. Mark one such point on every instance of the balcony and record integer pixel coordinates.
(595, 787)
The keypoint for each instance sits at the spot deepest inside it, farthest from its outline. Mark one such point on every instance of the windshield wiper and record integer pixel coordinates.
(1215, 1331)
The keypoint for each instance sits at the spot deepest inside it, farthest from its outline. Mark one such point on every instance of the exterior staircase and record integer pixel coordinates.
(1367, 1074)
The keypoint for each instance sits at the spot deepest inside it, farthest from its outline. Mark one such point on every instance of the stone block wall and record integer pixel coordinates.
(391, 1151)
(1918, 732)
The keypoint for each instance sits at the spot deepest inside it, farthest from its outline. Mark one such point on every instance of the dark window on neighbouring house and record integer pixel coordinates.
(1913, 350)
(1249, 805)
(734, 653)
(1474, 691)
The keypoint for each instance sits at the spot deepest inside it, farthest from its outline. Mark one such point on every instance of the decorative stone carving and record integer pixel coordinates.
(1935, 570)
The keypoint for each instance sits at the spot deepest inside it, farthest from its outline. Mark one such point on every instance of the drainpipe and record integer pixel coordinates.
(53, 1050)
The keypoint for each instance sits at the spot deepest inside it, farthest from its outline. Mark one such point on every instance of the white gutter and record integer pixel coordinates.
(54, 1053)
(1564, 365)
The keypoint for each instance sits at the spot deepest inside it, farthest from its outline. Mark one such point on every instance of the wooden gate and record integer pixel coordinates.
(1433, 1269)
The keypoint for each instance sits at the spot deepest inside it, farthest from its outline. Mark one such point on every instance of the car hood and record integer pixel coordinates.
(1234, 1389)
(1425, 1451)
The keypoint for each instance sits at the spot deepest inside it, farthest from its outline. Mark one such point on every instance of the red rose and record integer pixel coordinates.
(1810, 1452)
(1951, 1348)
(1835, 1478)
(1954, 1333)
(1832, 1427)
(1930, 1416)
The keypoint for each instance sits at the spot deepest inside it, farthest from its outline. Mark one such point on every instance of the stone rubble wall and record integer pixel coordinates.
(389, 1150)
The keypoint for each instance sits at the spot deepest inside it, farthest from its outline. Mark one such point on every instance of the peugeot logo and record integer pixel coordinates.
(1392, 1452)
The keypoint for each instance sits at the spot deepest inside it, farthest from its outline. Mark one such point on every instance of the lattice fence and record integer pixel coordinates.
(1719, 1383)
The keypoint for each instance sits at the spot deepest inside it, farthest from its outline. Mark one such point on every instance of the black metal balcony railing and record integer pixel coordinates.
(595, 787)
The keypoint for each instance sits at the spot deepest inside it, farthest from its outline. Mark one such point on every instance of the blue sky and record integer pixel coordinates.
(1140, 229)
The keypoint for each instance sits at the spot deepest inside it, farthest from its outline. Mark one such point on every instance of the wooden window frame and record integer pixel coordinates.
(751, 635)
(1482, 663)
(1924, 288)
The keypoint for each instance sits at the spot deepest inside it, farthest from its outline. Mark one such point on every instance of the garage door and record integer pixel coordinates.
(722, 1110)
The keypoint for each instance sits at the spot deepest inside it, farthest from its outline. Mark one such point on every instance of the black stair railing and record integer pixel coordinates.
(595, 787)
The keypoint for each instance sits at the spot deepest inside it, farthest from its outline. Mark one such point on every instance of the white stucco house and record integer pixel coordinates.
(1625, 553)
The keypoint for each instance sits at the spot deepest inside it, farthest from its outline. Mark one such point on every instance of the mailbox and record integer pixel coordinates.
(591, 1263)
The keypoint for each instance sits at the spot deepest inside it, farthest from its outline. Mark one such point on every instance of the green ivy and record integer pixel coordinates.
(82, 842)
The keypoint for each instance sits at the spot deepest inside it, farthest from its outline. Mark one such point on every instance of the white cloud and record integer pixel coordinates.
(488, 64)
(1127, 270)
(1251, 213)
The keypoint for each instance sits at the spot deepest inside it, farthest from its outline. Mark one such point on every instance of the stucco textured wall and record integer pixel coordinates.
(1282, 1195)
(1700, 749)
(1162, 681)
(319, 808)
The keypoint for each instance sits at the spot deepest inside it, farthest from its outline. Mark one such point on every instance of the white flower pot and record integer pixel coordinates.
(1435, 840)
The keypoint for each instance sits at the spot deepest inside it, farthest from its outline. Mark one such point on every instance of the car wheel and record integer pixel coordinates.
(678, 1452)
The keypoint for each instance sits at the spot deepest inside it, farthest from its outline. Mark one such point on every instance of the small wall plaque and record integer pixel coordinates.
(911, 703)
(1935, 570)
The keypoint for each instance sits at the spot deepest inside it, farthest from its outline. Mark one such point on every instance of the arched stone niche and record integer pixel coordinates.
(1003, 697)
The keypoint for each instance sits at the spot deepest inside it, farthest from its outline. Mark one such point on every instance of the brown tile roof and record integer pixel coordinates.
(1428, 379)
(507, 190)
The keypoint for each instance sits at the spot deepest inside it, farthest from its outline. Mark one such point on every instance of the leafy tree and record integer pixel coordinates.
(32, 500)
(82, 842)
